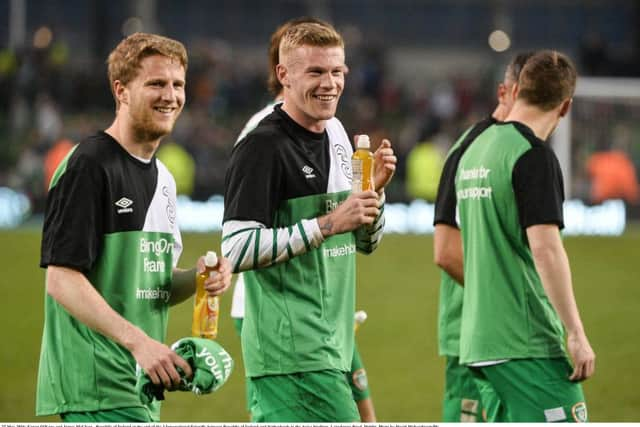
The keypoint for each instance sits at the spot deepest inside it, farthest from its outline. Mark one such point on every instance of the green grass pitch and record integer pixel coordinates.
(398, 287)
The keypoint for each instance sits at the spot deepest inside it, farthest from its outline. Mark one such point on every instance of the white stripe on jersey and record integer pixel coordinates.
(340, 152)
(161, 214)
(237, 302)
(250, 245)
(256, 119)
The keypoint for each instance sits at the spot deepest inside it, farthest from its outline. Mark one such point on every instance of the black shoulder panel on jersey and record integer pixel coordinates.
(537, 183)
(102, 190)
(477, 129)
(130, 187)
(277, 161)
(445, 208)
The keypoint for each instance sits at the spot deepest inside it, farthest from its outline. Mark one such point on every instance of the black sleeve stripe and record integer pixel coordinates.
(256, 248)
(245, 247)
(274, 248)
(289, 250)
(235, 233)
(371, 233)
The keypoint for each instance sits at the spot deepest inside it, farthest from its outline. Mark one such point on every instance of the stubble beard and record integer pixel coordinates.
(146, 130)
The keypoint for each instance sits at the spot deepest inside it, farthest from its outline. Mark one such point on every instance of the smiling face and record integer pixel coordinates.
(151, 102)
(313, 80)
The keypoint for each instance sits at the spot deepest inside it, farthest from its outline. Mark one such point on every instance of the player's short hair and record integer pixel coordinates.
(547, 79)
(516, 65)
(309, 34)
(273, 84)
(124, 61)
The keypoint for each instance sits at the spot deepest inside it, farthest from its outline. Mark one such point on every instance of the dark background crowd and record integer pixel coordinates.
(420, 72)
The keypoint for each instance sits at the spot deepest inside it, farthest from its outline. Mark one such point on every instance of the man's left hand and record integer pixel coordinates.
(385, 165)
(220, 282)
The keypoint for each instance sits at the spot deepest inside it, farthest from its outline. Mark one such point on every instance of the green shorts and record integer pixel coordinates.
(357, 377)
(319, 396)
(533, 390)
(118, 415)
(461, 397)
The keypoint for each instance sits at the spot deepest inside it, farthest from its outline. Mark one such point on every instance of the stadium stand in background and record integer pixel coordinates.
(433, 61)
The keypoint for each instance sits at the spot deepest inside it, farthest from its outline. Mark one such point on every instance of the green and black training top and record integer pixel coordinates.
(112, 217)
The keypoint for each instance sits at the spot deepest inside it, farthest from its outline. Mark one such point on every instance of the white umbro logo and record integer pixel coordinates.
(124, 205)
(308, 172)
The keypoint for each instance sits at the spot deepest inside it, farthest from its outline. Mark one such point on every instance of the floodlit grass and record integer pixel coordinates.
(398, 287)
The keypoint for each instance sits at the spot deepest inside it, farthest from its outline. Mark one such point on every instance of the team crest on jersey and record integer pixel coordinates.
(579, 412)
(344, 159)
(125, 205)
(359, 377)
(171, 206)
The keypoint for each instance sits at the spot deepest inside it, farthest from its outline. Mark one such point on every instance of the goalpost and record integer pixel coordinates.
(605, 114)
(604, 111)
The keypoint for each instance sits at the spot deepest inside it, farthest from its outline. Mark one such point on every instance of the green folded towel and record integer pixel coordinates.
(210, 363)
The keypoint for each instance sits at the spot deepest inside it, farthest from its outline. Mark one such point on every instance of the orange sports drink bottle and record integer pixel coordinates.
(206, 309)
(362, 165)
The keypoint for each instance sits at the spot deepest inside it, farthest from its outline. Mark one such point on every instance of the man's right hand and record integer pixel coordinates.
(159, 362)
(582, 355)
(358, 209)
(71, 289)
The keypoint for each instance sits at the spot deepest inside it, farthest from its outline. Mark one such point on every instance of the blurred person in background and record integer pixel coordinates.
(111, 244)
(181, 165)
(612, 173)
(518, 296)
(425, 162)
(357, 376)
(54, 157)
(462, 402)
(291, 223)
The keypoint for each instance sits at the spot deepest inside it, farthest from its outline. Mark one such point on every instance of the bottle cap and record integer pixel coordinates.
(360, 316)
(211, 259)
(363, 141)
